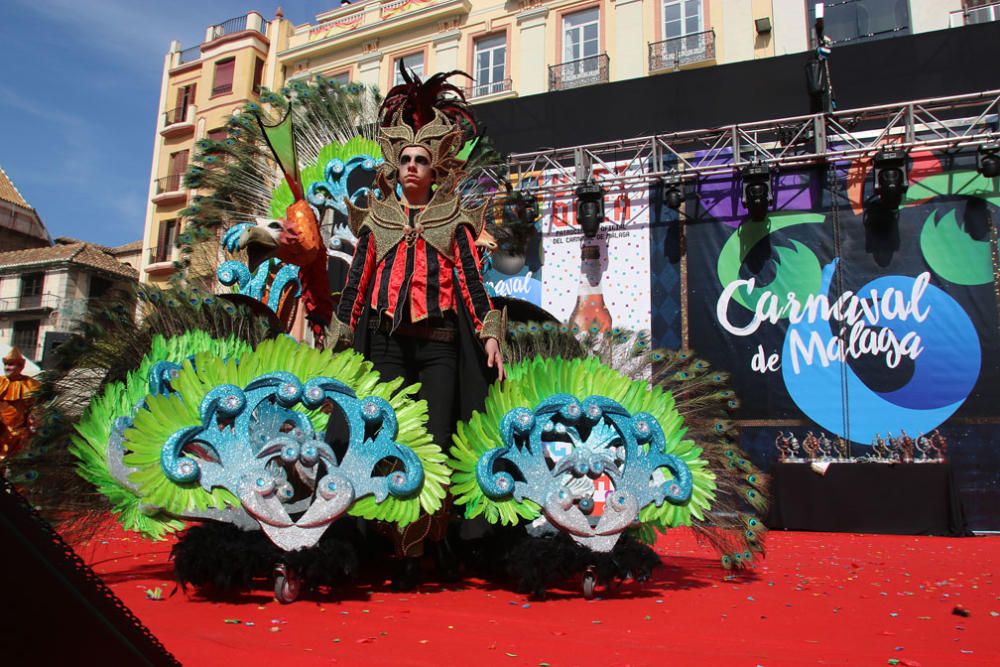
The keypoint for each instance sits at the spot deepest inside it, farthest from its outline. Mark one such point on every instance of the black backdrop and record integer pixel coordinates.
(934, 64)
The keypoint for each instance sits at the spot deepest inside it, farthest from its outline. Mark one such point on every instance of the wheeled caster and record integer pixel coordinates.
(589, 583)
(286, 584)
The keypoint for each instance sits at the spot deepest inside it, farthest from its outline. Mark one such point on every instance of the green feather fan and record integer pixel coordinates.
(167, 414)
(532, 381)
(118, 399)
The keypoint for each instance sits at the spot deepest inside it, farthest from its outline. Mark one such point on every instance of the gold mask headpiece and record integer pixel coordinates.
(441, 138)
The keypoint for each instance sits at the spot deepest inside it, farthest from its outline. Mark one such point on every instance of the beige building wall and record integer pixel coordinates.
(928, 15)
(791, 30)
(207, 111)
(362, 42)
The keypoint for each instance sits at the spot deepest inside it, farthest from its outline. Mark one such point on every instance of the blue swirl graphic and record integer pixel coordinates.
(945, 371)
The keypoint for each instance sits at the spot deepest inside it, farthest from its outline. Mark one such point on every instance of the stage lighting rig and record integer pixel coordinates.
(890, 177)
(673, 195)
(988, 160)
(590, 207)
(757, 191)
(520, 207)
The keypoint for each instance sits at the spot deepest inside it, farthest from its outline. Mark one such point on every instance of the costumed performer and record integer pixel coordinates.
(16, 401)
(414, 303)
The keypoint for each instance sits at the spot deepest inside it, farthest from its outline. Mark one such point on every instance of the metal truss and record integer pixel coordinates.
(959, 122)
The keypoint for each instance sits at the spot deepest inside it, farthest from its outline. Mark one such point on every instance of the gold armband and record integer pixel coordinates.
(494, 325)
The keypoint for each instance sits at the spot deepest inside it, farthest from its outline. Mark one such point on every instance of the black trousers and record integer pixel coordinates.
(431, 363)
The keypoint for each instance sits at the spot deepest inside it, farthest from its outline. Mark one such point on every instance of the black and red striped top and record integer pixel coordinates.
(415, 282)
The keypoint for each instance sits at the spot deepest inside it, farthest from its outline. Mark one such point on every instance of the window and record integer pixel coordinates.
(166, 240)
(861, 20)
(413, 62)
(31, 290)
(223, 82)
(581, 37)
(218, 134)
(26, 337)
(258, 75)
(681, 18)
(490, 64)
(185, 98)
(98, 287)
(176, 168)
(342, 79)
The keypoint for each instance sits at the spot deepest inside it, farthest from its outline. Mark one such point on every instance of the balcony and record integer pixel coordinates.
(30, 303)
(252, 21)
(678, 52)
(489, 88)
(368, 20)
(583, 72)
(189, 55)
(972, 15)
(160, 259)
(178, 121)
(169, 189)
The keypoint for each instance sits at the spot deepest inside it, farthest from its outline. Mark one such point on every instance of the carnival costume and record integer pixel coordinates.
(16, 402)
(414, 302)
(208, 421)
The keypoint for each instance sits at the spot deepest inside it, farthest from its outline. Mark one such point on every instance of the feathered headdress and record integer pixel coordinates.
(432, 114)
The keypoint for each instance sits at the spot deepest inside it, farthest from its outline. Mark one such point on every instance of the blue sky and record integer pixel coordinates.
(78, 102)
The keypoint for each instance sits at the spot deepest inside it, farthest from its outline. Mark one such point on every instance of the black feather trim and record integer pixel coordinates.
(220, 558)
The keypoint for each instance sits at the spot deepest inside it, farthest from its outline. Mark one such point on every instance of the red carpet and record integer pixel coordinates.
(818, 599)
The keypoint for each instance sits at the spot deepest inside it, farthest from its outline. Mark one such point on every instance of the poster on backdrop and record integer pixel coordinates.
(605, 278)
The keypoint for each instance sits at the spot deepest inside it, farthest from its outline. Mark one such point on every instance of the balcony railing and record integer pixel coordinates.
(677, 52)
(159, 254)
(238, 24)
(171, 183)
(489, 88)
(581, 72)
(983, 14)
(29, 301)
(174, 116)
(191, 54)
(46, 301)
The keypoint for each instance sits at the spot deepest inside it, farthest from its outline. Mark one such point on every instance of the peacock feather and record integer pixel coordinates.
(165, 415)
(533, 381)
(733, 488)
(118, 401)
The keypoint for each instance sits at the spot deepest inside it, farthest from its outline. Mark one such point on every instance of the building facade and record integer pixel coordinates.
(511, 48)
(45, 291)
(200, 88)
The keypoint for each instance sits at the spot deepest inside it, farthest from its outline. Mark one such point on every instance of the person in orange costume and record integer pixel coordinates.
(15, 404)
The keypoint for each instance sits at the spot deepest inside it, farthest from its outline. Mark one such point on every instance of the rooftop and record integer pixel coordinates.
(9, 193)
(79, 253)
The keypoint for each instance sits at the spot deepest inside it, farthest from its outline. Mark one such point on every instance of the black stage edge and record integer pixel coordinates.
(55, 606)
(934, 64)
(895, 499)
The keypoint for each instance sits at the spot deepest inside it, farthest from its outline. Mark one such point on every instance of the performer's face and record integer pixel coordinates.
(12, 367)
(415, 173)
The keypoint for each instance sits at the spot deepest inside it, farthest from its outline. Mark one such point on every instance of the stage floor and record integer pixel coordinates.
(817, 599)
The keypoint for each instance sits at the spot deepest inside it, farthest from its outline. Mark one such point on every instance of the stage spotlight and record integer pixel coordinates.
(988, 160)
(673, 195)
(757, 195)
(520, 208)
(890, 177)
(590, 208)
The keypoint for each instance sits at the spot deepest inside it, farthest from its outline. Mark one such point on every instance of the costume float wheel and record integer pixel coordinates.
(286, 584)
(589, 583)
